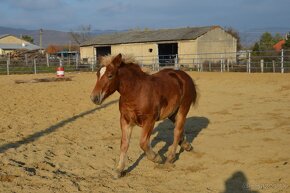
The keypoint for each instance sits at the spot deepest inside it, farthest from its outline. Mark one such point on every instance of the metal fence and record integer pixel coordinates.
(41, 64)
(243, 61)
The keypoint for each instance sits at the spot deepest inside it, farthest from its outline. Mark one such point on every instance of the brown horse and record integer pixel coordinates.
(144, 100)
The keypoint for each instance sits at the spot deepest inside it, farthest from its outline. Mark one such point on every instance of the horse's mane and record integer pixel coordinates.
(128, 61)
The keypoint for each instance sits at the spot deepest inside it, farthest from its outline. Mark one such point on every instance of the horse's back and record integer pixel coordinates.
(184, 81)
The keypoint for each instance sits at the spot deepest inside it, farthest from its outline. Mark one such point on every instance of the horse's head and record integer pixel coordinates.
(107, 79)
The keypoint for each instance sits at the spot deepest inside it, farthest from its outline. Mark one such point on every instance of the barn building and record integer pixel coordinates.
(10, 43)
(165, 46)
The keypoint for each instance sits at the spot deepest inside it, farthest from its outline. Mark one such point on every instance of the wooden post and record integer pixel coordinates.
(228, 65)
(282, 61)
(77, 61)
(26, 60)
(209, 66)
(92, 64)
(60, 62)
(274, 70)
(8, 64)
(176, 62)
(249, 63)
(34, 64)
(47, 59)
(262, 65)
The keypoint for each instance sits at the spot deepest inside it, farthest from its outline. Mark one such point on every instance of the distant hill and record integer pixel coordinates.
(49, 36)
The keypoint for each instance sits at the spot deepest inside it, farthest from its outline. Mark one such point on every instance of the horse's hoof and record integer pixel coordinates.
(117, 174)
(187, 146)
(157, 159)
(170, 160)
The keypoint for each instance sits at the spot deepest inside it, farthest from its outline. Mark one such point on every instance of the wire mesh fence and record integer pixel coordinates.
(243, 61)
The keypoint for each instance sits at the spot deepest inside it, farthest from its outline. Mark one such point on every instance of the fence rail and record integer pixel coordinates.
(246, 61)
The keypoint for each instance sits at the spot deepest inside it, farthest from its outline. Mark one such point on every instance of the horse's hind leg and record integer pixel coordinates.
(178, 135)
(145, 142)
(179, 138)
(182, 142)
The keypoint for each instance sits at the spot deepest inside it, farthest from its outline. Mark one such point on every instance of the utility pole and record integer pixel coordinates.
(40, 38)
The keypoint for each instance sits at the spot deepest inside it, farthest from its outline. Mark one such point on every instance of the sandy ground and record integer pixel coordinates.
(54, 139)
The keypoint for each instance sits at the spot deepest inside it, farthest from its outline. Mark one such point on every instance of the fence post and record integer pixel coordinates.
(47, 59)
(157, 63)
(8, 64)
(222, 66)
(274, 70)
(94, 61)
(282, 61)
(60, 62)
(228, 65)
(249, 63)
(262, 65)
(26, 60)
(176, 66)
(209, 66)
(34, 64)
(77, 61)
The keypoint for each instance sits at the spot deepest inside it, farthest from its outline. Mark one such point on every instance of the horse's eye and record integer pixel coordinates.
(110, 76)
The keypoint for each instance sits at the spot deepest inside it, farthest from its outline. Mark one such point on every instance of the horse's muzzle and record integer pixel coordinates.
(97, 99)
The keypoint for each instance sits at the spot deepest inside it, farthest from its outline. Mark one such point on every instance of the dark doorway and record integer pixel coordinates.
(167, 53)
(103, 51)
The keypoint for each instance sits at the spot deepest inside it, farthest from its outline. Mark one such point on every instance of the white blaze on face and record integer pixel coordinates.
(102, 71)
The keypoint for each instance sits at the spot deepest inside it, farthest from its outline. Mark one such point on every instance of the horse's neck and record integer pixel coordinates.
(130, 81)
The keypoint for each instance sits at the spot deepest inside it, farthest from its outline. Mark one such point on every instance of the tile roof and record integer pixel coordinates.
(278, 46)
(3, 35)
(19, 46)
(188, 33)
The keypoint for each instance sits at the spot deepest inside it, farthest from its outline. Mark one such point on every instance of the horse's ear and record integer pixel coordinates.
(117, 60)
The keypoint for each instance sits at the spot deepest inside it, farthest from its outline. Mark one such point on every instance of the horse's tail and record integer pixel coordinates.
(195, 94)
(189, 87)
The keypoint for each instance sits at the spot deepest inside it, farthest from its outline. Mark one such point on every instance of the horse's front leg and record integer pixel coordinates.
(125, 140)
(145, 142)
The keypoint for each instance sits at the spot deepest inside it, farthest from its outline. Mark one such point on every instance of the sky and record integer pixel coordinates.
(67, 15)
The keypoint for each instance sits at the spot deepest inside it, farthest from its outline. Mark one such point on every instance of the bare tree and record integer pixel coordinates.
(82, 33)
(235, 34)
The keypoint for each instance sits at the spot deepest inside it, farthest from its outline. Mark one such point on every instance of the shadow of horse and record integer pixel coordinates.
(165, 133)
(53, 128)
